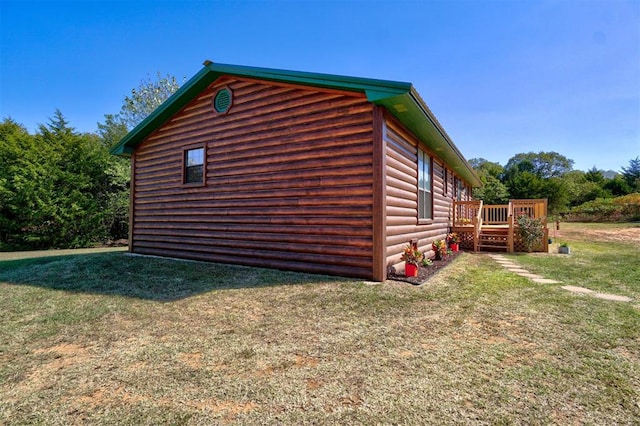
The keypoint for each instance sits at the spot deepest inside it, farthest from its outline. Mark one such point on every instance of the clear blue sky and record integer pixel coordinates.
(502, 77)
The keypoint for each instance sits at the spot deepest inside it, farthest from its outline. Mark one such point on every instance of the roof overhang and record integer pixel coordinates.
(399, 98)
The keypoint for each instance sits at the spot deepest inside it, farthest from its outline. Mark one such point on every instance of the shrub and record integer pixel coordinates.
(619, 209)
(531, 231)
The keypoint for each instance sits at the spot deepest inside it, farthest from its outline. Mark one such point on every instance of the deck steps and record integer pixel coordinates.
(493, 239)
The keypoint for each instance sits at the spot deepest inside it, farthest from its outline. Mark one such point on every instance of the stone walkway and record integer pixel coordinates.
(517, 269)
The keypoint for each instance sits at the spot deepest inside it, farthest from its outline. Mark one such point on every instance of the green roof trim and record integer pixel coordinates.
(399, 98)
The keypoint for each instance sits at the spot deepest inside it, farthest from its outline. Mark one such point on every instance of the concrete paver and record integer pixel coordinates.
(614, 297)
(518, 270)
(530, 275)
(545, 281)
(509, 265)
(575, 289)
(538, 279)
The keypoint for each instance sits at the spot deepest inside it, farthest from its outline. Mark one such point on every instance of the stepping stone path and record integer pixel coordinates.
(517, 269)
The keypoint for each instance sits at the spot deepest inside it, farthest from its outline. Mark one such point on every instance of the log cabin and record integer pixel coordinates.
(292, 170)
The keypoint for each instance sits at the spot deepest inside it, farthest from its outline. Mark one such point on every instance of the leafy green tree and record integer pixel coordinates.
(617, 186)
(22, 177)
(144, 99)
(583, 187)
(112, 130)
(492, 191)
(57, 187)
(60, 188)
(116, 191)
(72, 215)
(539, 175)
(522, 181)
(542, 164)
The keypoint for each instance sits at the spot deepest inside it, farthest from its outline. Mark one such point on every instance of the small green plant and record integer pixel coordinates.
(564, 245)
(426, 262)
(530, 230)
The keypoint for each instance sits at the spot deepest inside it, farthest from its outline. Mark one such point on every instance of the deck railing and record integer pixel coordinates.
(477, 227)
(464, 212)
(494, 214)
(474, 215)
(534, 208)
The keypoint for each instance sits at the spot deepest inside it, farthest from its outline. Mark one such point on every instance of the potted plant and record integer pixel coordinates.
(439, 248)
(453, 240)
(564, 248)
(412, 258)
(464, 221)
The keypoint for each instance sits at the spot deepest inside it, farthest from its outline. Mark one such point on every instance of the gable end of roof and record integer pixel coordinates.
(399, 98)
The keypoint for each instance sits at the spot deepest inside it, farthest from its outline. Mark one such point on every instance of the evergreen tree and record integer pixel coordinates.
(631, 174)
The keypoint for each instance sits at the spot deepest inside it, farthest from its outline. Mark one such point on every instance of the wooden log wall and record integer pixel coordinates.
(402, 204)
(288, 181)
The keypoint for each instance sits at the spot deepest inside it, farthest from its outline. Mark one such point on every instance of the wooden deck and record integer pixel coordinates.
(493, 227)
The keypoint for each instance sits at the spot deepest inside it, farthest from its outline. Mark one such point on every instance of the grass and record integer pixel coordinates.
(107, 338)
(604, 257)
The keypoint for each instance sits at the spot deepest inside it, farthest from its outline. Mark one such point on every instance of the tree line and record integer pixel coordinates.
(550, 175)
(60, 188)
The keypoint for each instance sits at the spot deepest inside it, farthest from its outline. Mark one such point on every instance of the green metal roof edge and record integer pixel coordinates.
(160, 115)
(414, 113)
(212, 71)
(443, 144)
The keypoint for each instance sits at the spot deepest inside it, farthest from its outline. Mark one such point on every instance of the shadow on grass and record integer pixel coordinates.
(143, 277)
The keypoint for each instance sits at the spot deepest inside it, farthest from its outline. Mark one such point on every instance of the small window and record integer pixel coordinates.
(194, 165)
(445, 177)
(425, 202)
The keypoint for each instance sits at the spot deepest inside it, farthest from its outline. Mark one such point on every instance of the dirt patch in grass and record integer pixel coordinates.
(624, 233)
(17, 255)
(619, 235)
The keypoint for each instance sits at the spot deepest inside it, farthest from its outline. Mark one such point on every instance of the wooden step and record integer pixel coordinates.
(494, 231)
(493, 239)
(491, 248)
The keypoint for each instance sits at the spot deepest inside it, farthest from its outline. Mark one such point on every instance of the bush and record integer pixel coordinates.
(531, 231)
(619, 209)
(59, 188)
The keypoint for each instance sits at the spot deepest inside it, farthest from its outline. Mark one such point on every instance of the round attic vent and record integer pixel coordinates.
(222, 101)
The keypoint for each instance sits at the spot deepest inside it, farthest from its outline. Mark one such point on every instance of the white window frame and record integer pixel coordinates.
(425, 186)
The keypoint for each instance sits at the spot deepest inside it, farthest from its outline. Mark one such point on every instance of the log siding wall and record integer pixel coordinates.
(402, 224)
(288, 181)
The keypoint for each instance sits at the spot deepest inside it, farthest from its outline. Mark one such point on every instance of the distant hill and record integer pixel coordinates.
(609, 174)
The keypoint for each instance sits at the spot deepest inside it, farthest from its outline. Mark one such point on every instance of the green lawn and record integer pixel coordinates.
(104, 338)
(604, 257)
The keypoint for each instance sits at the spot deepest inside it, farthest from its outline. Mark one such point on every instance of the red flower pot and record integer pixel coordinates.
(454, 246)
(410, 270)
